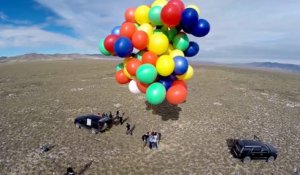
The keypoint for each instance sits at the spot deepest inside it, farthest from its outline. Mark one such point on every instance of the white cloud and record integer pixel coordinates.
(34, 37)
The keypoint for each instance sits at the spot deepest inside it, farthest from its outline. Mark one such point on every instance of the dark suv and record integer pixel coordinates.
(93, 122)
(253, 149)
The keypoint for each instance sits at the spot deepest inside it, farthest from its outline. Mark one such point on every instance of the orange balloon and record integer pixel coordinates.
(127, 29)
(140, 39)
(132, 65)
(121, 78)
(179, 82)
(142, 87)
(149, 57)
(129, 15)
(176, 94)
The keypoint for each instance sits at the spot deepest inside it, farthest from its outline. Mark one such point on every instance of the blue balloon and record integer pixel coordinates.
(192, 49)
(123, 47)
(166, 81)
(181, 65)
(189, 19)
(201, 29)
(116, 30)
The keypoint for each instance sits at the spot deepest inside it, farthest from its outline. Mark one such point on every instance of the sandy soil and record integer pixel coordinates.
(40, 100)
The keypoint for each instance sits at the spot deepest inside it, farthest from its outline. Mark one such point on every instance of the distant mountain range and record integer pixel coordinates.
(274, 66)
(48, 57)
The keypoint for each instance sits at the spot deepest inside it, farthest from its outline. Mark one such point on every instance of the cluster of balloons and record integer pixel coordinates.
(154, 42)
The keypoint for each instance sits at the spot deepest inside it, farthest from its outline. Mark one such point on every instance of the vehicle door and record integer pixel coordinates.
(256, 153)
(264, 152)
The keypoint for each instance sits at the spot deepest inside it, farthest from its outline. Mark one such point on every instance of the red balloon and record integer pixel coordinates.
(132, 65)
(129, 15)
(170, 15)
(109, 43)
(142, 87)
(176, 94)
(140, 39)
(179, 82)
(121, 78)
(178, 3)
(127, 29)
(149, 57)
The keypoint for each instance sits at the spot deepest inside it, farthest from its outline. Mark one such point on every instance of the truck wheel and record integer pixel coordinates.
(247, 159)
(270, 159)
(77, 125)
(94, 131)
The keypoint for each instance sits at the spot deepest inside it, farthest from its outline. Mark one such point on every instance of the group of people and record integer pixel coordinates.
(151, 139)
(110, 116)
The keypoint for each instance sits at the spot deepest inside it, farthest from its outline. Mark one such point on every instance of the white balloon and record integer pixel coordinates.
(133, 88)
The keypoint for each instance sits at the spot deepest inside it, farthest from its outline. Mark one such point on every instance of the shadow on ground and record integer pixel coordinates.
(165, 110)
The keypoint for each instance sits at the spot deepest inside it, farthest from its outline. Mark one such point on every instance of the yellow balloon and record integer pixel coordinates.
(127, 73)
(159, 3)
(165, 65)
(141, 14)
(194, 7)
(176, 52)
(158, 43)
(148, 28)
(188, 75)
(169, 50)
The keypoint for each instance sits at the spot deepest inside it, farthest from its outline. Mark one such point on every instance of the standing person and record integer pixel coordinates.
(151, 140)
(128, 128)
(110, 115)
(70, 171)
(159, 137)
(121, 118)
(155, 140)
(145, 138)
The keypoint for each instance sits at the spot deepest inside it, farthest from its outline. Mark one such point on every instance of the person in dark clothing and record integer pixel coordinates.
(121, 118)
(145, 138)
(70, 171)
(128, 128)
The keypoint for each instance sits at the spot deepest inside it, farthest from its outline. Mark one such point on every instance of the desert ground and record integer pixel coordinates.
(39, 101)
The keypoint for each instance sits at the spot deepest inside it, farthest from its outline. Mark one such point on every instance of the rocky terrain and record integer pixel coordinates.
(39, 101)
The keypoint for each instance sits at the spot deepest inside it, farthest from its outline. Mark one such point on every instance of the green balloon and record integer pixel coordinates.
(181, 41)
(154, 15)
(146, 73)
(156, 93)
(119, 66)
(102, 48)
(169, 32)
(139, 55)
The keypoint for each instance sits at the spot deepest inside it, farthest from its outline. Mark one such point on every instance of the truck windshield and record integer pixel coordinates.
(238, 147)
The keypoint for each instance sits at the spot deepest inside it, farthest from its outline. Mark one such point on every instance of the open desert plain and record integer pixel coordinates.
(41, 99)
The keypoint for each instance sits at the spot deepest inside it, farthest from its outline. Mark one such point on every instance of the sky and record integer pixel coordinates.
(241, 31)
